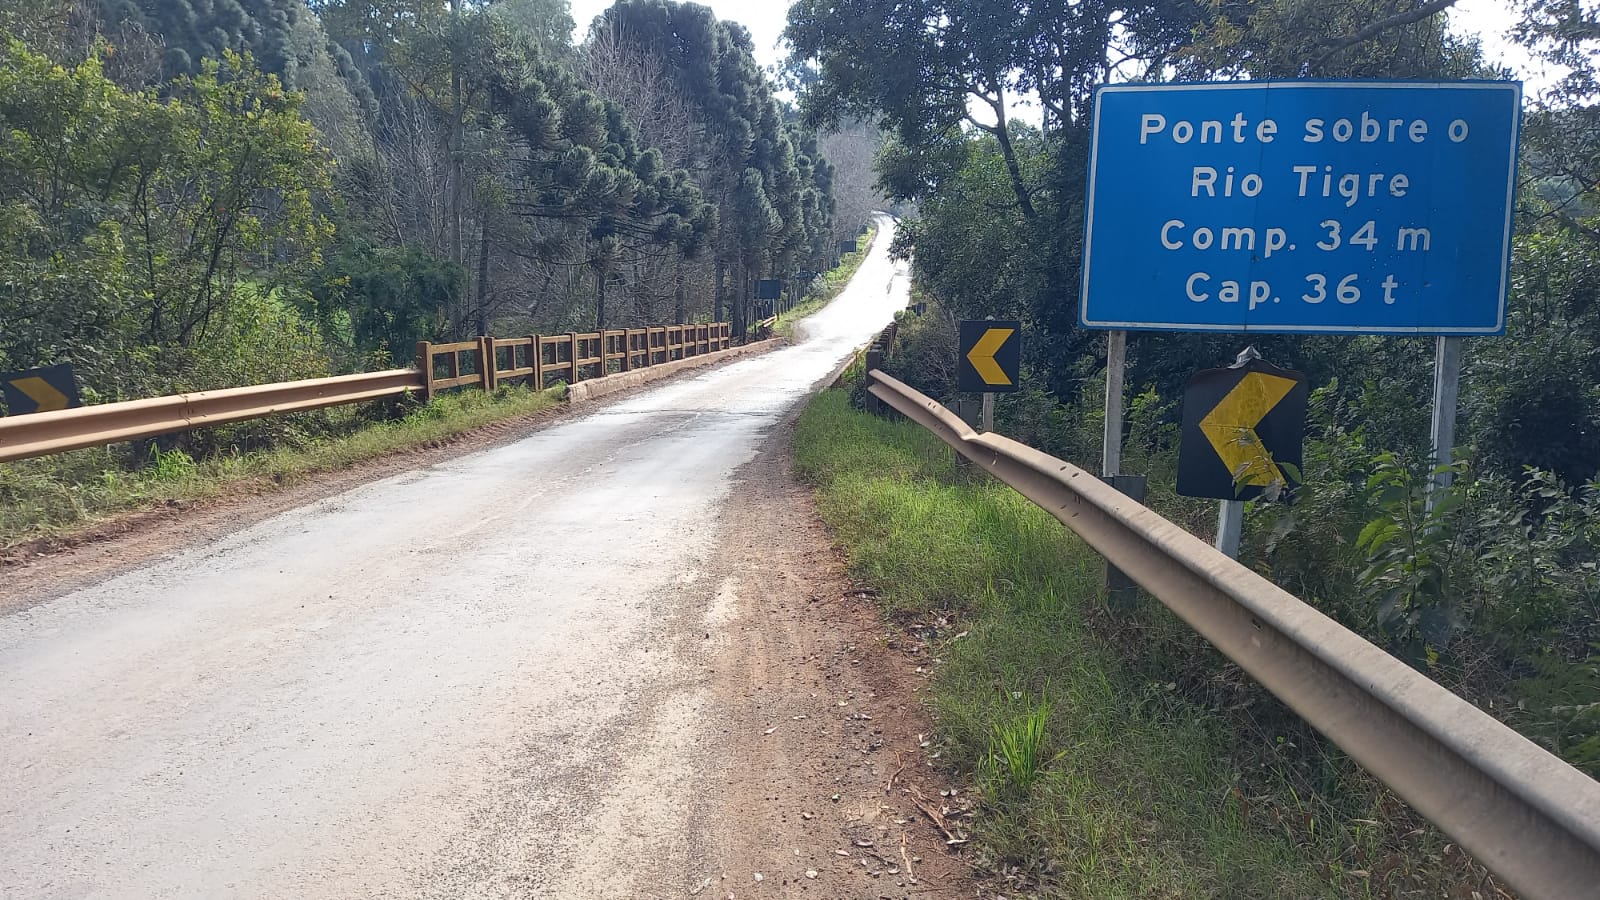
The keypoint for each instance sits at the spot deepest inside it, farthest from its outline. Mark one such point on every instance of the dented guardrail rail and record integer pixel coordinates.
(1521, 811)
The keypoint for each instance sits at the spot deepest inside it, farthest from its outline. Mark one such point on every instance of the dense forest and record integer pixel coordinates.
(207, 194)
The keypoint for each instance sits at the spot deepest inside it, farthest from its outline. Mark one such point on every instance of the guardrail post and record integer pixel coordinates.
(487, 364)
(425, 368)
(968, 410)
(1122, 594)
(627, 350)
(874, 362)
(572, 338)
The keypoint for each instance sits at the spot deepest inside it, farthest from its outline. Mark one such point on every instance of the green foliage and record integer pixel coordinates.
(392, 296)
(1100, 775)
(170, 465)
(1017, 755)
(194, 32)
(1413, 551)
(127, 221)
(1272, 39)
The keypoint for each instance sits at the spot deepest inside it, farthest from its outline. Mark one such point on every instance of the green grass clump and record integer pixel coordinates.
(55, 495)
(1097, 780)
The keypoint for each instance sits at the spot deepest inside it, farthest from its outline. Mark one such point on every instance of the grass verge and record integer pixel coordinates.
(54, 496)
(1099, 777)
(832, 283)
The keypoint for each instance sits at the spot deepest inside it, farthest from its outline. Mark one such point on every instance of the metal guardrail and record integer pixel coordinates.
(1526, 815)
(40, 434)
(574, 356)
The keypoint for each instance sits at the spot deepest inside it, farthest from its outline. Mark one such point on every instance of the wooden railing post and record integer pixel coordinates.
(425, 367)
(536, 361)
(487, 364)
(573, 337)
(627, 350)
(873, 363)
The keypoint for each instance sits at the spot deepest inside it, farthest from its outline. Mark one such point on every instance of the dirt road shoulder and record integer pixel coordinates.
(829, 790)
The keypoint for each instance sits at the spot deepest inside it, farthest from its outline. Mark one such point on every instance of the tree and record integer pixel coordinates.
(199, 29)
(391, 296)
(744, 155)
(1337, 39)
(130, 222)
(851, 149)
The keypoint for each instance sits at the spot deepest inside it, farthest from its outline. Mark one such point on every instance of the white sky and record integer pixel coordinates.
(765, 19)
(1492, 19)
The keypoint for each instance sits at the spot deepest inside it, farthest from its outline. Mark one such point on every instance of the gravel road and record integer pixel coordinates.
(488, 677)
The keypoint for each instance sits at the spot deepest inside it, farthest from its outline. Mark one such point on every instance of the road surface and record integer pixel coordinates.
(476, 679)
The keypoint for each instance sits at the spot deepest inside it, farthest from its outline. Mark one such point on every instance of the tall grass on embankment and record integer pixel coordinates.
(1099, 777)
(54, 496)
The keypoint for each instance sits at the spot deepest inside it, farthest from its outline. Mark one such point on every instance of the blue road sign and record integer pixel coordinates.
(1332, 207)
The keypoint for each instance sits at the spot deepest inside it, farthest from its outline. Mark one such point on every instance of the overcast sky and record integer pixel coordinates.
(1493, 19)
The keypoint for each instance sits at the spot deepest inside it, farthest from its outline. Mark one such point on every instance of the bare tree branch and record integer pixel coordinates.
(1338, 45)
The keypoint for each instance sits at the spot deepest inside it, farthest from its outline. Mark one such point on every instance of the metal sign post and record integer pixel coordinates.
(1230, 527)
(1446, 393)
(1116, 370)
(987, 419)
(1121, 591)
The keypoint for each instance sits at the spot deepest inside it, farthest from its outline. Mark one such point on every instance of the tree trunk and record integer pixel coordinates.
(681, 310)
(483, 280)
(722, 277)
(738, 304)
(600, 303)
(1002, 134)
(458, 133)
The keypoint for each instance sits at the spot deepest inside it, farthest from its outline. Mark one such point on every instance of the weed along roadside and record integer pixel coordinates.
(1116, 756)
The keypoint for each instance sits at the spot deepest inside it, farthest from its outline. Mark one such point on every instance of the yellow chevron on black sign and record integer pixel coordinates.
(1242, 431)
(40, 390)
(989, 356)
